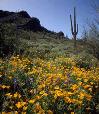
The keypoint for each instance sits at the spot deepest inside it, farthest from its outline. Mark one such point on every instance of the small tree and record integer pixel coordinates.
(85, 35)
(93, 39)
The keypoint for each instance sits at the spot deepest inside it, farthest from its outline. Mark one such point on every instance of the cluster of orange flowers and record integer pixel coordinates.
(46, 86)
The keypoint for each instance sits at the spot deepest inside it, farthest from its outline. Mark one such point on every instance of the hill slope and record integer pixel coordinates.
(42, 73)
(22, 34)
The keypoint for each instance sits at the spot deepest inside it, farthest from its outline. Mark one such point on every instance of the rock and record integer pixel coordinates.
(23, 14)
(33, 24)
(5, 13)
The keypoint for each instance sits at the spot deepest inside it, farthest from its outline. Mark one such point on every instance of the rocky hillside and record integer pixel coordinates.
(20, 25)
(26, 22)
(23, 21)
(22, 34)
(42, 73)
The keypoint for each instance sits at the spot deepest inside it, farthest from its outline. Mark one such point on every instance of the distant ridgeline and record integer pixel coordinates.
(24, 21)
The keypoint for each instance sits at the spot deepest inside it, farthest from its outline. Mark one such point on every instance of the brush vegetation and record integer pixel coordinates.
(42, 73)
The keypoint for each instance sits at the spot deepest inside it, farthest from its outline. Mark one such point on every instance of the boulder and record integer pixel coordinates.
(23, 14)
(33, 24)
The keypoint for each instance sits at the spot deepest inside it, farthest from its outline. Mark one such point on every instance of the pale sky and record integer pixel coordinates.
(53, 14)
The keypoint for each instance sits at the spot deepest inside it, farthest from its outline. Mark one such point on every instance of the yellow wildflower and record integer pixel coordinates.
(37, 107)
(49, 112)
(8, 94)
(17, 95)
(25, 108)
(86, 86)
(56, 87)
(3, 86)
(74, 87)
(23, 112)
(31, 101)
(19, 105)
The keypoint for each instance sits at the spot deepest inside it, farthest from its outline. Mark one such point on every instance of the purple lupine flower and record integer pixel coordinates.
(58, 79)
(15, 83)
(68, 75)
(66, 82)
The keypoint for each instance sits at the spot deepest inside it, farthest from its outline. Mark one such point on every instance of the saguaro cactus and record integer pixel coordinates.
(74, 29)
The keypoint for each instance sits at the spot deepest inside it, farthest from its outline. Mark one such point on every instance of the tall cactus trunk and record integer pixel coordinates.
(75, 45)
(74, 29)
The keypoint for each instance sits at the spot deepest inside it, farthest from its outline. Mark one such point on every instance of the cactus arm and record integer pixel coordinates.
(74, 20)
(77, 30)
(71, 24)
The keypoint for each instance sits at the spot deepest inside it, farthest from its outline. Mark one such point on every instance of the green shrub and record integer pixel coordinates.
(85, 60)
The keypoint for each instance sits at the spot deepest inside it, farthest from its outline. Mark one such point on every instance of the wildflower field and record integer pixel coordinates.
(47, 86)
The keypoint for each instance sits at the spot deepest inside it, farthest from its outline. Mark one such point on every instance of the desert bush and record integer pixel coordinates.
(85, 60)
(60, 34)
(8, 39)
